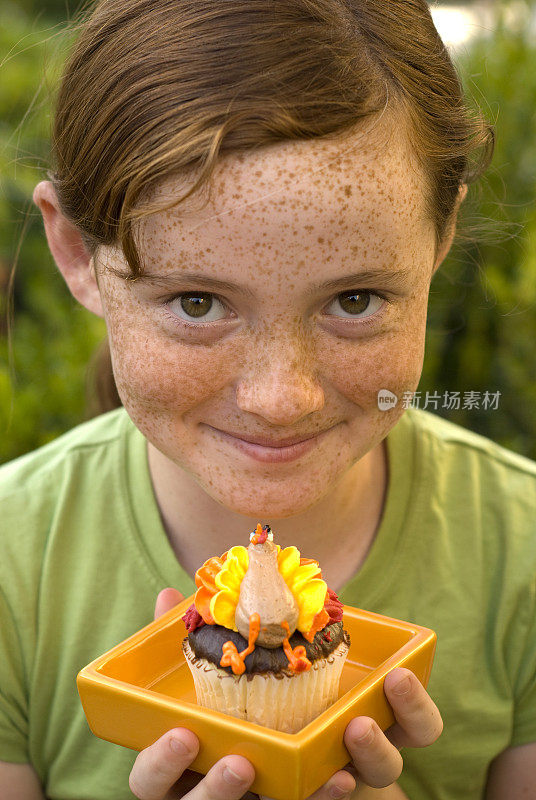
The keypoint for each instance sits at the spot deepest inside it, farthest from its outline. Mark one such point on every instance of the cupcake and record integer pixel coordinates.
(265, 636)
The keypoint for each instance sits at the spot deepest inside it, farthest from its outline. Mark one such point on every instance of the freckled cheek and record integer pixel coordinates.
(171, 376)
(159, 373)
(359, 369)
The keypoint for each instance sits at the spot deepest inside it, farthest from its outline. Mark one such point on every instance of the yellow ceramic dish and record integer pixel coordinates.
(142, 688)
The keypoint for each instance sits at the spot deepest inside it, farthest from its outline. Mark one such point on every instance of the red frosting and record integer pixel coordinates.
(333, 606)
(193, 619)
(261, 534)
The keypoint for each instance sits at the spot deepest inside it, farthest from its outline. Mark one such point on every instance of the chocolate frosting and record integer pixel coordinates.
(208, 640)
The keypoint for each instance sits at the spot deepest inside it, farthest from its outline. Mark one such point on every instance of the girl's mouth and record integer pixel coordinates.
(269, 450)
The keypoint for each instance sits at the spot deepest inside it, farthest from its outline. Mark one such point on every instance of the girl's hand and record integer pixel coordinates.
(160, 772)
(376, 760)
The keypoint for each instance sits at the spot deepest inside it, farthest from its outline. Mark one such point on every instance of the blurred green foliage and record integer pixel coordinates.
(482, 318)
(42, 374)
(482, 311)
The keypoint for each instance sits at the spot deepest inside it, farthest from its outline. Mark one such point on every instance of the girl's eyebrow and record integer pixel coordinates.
(368, 276)
(171, 280)
(355, 280)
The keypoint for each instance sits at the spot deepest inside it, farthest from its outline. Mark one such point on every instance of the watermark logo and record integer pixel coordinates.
(433, 401)
(386, 400)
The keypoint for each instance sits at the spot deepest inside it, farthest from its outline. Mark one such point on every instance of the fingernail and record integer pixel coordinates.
(337, 793)
(178, 746)
(402, 687)
(366, 737)
(231, 777)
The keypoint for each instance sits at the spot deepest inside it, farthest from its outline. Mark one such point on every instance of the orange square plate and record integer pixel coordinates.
(142, 688)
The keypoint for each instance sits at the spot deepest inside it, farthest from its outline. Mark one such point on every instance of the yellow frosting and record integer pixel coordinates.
(223, 603)
(309, 592)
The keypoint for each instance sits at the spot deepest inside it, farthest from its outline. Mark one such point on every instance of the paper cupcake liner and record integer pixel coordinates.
(282, 701)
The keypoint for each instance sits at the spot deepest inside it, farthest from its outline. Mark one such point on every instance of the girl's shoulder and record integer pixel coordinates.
(39, 468)
(479, 493)
(448, 440)
(55, 491)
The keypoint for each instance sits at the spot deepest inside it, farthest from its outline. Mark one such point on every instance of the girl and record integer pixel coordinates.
(256, 196)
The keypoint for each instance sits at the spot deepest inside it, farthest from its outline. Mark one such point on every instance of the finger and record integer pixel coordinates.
(228, 779)
(377, 762)
(340, 785)
(189, 779)
(418, 721)
(166, 600)
(159, 766)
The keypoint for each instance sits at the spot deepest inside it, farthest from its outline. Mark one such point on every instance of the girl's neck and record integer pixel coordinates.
(338, 531)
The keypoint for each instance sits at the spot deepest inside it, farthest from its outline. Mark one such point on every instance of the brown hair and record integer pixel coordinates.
(155, 88)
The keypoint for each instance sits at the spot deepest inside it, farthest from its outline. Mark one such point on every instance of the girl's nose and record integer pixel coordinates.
(280, 388)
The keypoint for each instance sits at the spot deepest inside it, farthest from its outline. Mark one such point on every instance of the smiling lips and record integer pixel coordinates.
(261, 448)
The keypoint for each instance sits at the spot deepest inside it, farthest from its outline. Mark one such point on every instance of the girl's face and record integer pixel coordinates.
(252, 351)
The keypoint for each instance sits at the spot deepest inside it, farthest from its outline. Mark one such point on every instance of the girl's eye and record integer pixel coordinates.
(197, 306)
(355, 304)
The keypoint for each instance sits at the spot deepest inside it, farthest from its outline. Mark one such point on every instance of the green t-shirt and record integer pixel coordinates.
(83, 554)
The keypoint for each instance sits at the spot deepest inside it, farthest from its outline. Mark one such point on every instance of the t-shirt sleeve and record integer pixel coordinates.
(524, 723)
(13, 695)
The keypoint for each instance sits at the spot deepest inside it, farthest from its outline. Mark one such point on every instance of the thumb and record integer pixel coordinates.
(166, 600)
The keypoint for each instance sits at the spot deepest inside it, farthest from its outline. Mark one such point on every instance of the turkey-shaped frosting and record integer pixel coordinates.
(263, 591)
(267, 612)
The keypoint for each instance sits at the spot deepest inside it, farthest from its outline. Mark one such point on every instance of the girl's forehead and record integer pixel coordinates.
(362, 197)
(318, 176)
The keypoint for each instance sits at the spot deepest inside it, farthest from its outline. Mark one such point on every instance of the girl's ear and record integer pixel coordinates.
(451, 229)
(68, 249)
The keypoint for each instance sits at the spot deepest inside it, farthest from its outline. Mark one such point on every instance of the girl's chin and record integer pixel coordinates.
(272, 493)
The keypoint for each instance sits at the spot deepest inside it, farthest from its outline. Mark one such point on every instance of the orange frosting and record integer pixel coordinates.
(204, 579)
(259, 535)
(298, 661)
(231, 657)
(320, 621)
